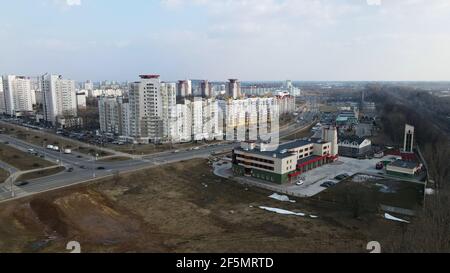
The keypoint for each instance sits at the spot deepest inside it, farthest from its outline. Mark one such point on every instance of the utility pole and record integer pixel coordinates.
(12, 185)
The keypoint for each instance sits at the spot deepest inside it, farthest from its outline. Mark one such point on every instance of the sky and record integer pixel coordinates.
(305, 40)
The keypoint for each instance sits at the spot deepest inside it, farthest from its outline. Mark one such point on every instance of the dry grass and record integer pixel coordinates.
(3, 175)
(39, 174)
(180, 207)
(21, 160)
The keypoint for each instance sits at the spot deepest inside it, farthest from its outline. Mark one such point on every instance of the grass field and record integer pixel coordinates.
(39, 174)
(180, 207)
(21, 160)
(152, 149)
(114, 159)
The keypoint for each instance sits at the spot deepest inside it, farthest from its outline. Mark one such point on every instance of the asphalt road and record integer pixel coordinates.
(85, 168)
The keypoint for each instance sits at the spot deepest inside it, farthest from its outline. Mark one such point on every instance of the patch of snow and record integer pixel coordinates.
(282, 198)
(392, 218)
(282, 211)
(314, 216)
(429, 191)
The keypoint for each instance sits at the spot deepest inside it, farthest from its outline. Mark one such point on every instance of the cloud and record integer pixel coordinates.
(68, 3)
(73, 2)
(374, 2)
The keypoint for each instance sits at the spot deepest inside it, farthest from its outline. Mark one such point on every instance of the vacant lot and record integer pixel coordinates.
(364, 194)
(177, 208)
(21, 160)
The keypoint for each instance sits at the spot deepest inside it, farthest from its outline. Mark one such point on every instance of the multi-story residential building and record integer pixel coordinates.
(197, 119)
(110, 115)
(184, 122)
(234, 89)
(81, 100)
(206, 89)
(146, 109)
(60, 100)
(212, 125)
(286, 104)
(2, 98)
(169, 114)
(184, 88)
(249, 119)
(16, 94)
(88, 86)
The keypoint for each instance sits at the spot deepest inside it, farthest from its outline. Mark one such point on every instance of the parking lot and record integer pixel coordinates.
(315, 178)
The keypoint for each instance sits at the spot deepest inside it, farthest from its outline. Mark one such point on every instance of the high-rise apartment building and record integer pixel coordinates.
(2, 98)
(60, 100)
(206, 89)
(184, 88)
(17, 95)
(234, 89)
(146, 109)
(169, 108)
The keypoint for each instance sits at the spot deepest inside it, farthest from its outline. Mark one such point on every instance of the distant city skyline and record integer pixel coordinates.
(251, 40)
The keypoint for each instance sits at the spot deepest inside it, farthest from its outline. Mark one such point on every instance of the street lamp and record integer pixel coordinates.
(12, 183)
(93, 165)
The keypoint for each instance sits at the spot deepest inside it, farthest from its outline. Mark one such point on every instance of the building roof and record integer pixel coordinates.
(404, 164)
(351, 139)
(282, 149)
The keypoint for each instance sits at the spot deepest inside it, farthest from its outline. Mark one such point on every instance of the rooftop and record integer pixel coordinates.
(282, 150)
(404, 164)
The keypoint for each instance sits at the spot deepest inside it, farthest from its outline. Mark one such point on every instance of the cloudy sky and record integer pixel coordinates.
(219, 39)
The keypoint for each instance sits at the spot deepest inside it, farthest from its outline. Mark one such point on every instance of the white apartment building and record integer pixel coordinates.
(95, 93)
(234, 88)
(184, 88)
(249, 118)
(110, 116)
(197, 119)
(212, 120)
(16, 95)
(59, 98)
(81, 100)
(169, 114)
(2, 98)
(146, 109)
(184, 122)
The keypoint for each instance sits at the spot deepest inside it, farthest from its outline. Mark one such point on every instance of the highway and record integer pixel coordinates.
(85, 167)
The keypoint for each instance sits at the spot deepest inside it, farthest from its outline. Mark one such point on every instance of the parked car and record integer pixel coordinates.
(328, 184)
(100, 168)
(70, 170)
(341, 177)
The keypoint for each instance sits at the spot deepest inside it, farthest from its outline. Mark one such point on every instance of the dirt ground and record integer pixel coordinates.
(4, 174)
(181, 207)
